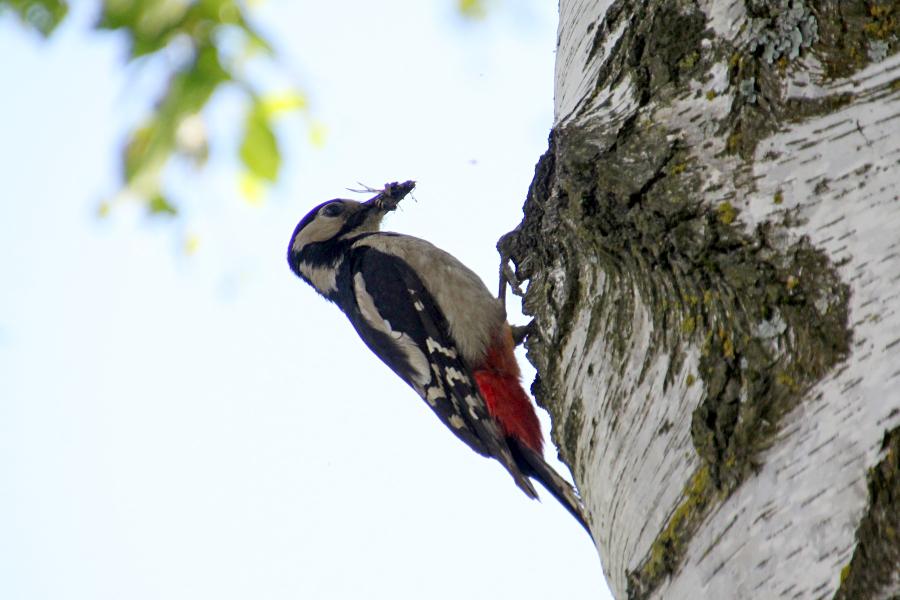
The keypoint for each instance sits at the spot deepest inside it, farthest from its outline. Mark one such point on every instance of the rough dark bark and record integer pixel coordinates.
(711, 248)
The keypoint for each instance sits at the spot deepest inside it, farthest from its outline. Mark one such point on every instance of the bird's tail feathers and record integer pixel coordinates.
(534, 465)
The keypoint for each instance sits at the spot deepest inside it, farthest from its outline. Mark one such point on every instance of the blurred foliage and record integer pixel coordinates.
(197, 32)
(175, 129)
(210, 40)
(42, 15)
(472, 9)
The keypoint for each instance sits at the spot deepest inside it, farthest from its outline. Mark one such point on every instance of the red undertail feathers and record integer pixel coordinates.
(499, 381)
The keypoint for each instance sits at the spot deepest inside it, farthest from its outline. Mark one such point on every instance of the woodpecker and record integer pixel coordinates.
(435, 324)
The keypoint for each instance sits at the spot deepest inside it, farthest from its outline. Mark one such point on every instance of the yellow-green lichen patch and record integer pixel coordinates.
(669, 546)
(678, 169)
(845, 572)
(733, 143)
(856, 32)
(883, 23)
(728, 348)
(727, 213)
(688, 61)
(785, 380)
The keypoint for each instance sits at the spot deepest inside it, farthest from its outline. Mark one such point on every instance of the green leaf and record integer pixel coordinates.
(192, 87)
(42, 15)
(472, 9)
(189, 89)
(149, 25)
(256, 42)
(221, 11)
(259, 148)
(202, 27)
(158, 205)
(276, 104)
(142, 144)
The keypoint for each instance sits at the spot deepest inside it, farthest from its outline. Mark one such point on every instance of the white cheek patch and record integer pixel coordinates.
(421, 375)
(321, 229)
(324, 279)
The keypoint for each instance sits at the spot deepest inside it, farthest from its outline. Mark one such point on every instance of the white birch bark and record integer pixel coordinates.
(712, 252)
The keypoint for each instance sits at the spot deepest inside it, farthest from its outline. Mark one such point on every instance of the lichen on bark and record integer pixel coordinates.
(838, 33)
(769, 314)
(645, 214)
(849, 28)
(874, 571)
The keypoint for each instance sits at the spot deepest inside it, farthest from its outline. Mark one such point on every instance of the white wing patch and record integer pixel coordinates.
(433, 394)
(473, 403)
(416, 358)
(434, 346)
(452, 374)
(324, 279)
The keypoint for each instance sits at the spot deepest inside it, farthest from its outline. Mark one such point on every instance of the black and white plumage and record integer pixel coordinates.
(434, 323)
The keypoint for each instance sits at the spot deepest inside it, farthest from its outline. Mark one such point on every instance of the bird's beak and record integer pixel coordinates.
(388, 198)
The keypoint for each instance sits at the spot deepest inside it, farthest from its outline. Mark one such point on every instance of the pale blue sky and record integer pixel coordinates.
(206, 426)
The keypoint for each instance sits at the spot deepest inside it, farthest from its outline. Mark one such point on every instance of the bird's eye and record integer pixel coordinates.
(333, 210)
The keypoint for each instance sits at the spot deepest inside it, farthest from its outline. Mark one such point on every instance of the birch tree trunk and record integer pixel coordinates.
(711, 245)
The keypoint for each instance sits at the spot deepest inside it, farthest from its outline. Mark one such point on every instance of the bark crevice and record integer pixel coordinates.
(873, 571)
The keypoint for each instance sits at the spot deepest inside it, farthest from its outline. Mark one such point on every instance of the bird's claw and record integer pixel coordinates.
(520, 332)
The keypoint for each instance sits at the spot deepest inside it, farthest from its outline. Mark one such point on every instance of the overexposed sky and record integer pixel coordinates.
(205, 426)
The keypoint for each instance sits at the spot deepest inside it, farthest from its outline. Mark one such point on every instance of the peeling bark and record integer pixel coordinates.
(712, 249)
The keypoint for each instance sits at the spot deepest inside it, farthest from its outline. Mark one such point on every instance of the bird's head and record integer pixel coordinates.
(318, 233)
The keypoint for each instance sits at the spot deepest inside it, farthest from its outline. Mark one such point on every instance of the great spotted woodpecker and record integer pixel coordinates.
(435, 324)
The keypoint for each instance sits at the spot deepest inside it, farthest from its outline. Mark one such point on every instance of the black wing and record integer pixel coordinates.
(399, 321)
